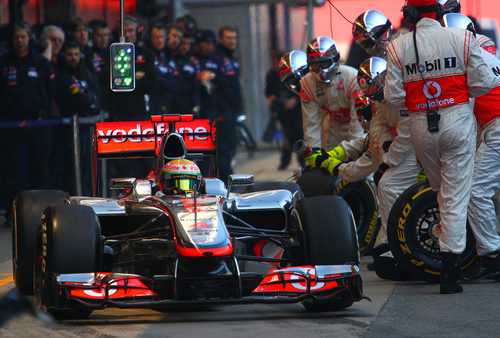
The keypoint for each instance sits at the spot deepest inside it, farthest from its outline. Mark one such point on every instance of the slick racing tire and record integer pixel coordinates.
(68, 241)
(330, 235)
(412, 231)
(28, 207)
(359, 195)
(294, 188)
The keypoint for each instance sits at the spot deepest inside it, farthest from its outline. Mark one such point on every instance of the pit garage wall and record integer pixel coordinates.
(252, 22)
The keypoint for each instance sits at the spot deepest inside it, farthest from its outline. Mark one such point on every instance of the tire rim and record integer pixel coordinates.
(428, 230)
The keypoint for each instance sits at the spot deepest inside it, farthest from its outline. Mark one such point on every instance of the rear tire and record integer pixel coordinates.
(359, 195)
(411, 231)
(71, 244)
(28, 207)
(330, 235)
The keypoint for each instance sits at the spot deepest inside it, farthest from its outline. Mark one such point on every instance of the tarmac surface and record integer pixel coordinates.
(397, 309)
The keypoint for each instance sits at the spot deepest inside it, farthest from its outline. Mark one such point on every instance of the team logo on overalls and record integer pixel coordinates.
(432, 90)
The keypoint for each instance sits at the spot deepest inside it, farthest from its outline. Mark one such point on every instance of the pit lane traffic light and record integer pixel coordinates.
(122, 67)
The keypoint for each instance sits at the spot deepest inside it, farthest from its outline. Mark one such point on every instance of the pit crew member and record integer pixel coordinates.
(433, 71)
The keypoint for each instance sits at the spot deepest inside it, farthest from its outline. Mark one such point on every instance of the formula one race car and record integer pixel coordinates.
(150, 249)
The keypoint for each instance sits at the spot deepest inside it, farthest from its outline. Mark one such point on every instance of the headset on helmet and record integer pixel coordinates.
(293, 67)
(372, 31)
(180, 176)
(415, 9)
(371, 77)
(323, 58)
(457, 20)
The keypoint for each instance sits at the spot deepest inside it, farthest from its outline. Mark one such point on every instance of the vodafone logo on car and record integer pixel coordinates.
(139, 134)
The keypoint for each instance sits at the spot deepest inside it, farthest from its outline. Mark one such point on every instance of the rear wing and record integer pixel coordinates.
(129, 139)
(142, 139)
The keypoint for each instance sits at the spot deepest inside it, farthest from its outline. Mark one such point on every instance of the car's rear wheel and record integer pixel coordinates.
(413, 230)
(330, 235)
(68, 241)
(359, 195)
(28, 207)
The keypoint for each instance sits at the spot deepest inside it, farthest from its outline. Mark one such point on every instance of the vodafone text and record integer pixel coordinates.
(134, 135)
(432, 104)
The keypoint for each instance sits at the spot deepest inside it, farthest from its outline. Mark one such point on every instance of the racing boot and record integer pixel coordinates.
(450, 273)
(489, 267)
(386, 266)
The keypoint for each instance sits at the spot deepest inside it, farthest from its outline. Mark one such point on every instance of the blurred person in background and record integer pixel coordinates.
(228, 99)
(185, 98)
(101, 35)
(78, 31)
(286, 106)
(51, 42)
(77, 93)
(26, 93)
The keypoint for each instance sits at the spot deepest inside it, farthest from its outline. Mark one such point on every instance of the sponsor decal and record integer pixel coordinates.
(116, 137)
(431, 66)
(432, 90)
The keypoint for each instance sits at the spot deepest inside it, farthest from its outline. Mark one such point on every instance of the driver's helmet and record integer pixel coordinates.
(457, 20)
(180, 176)
(323, 58)
(293, 67)
(372, 31)
(371, 77)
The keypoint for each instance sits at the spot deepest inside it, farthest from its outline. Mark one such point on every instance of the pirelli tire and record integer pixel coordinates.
(68, 241)
(28, 207)
(412, 231)
(359, 195)
(330, 239)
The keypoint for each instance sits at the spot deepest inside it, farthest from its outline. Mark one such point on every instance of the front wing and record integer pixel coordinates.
(287, 285)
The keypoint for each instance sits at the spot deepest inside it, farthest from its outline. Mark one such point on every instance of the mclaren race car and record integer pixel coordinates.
(245, 243)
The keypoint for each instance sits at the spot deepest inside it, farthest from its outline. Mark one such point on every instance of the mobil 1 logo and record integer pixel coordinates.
(431, 66)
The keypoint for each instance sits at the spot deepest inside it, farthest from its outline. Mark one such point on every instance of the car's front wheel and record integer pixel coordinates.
(68, 241)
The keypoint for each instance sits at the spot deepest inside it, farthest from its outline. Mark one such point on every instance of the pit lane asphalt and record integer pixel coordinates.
(398, 309)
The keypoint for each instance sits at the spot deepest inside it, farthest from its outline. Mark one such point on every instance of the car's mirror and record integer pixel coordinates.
(238, 180)
(122, 183)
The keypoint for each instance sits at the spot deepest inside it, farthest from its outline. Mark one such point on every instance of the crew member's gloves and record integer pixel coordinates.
(379, 173)
(421, 175)
(331, 164)
(312, 156)
(339, 153)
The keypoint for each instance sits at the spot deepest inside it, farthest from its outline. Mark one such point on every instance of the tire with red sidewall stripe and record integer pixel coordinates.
(413, 230)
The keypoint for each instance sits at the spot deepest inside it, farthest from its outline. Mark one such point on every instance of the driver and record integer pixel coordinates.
(180, 176)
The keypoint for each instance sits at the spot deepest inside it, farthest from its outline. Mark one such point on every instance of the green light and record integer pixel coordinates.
(118, 59)
(127, 81)
(122, 52)
(122, 70)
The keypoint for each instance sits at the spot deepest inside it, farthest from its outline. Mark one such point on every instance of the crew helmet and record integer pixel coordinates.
(323, 58)
(372, 31)
(180, 176)
(293, 67)
(371, 77)
(457, 20)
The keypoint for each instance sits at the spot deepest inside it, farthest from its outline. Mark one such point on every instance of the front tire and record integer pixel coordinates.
(413, 233)
(28, 207)
(330, 236)
(68, 241)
